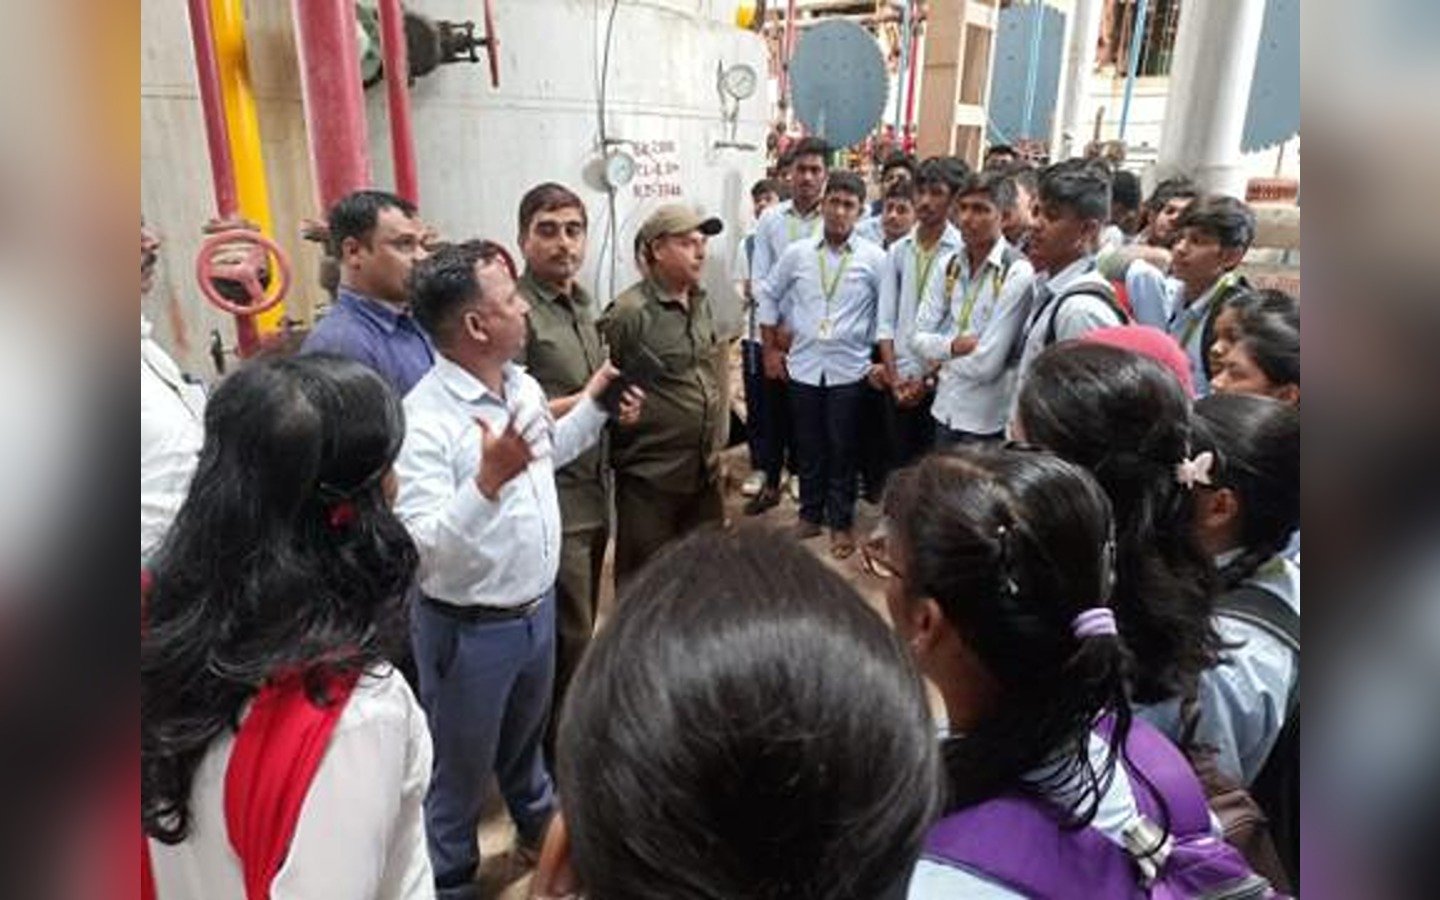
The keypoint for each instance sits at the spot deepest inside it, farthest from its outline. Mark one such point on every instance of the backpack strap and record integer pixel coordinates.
(276, 754)
(1101, 289)
(1264, 609)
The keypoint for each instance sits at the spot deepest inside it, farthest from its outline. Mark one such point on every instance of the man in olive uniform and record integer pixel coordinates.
(660, 332)
(562, 352)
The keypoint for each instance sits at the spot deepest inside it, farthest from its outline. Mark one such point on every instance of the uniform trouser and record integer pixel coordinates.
(911, 431)
(485, 687)
(827, 432)
(780, 448)
(577, 595)
(647, 518)
(757, 411)
(874, 441)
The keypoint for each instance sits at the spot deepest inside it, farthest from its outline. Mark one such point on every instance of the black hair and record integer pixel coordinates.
(1229, 221)
(765, 186)
(284, 558)
(1126, 418)
(548, 197)
(1175, 187)
(1256, 444)
(903, 189)
(810, 146)
(898, 159)
(355, 215)
(1269, 331)
(446, 282)
(1013, 545)
(1027, 177)
(1125, 190)
(999, 187)
(1079, 185)
(844, 181)
(946, 171)
(995, 150)
(745, 726)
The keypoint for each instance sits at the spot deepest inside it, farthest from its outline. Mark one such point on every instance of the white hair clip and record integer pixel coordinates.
(1191, 472)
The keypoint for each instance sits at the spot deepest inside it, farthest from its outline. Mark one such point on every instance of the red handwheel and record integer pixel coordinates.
(245, 271)
(492, 44)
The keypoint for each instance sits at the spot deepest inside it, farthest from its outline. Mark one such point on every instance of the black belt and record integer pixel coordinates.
(477, 613)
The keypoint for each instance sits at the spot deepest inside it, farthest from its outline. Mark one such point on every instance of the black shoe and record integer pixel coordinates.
(767, 498)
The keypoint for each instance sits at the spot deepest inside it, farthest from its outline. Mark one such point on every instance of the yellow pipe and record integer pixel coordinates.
(244, 127)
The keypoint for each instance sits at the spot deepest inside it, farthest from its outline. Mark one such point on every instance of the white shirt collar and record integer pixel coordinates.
(462, 384)
(1062, 279)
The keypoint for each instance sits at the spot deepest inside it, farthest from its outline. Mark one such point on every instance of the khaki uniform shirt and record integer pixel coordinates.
(676, 444)
(562, 351)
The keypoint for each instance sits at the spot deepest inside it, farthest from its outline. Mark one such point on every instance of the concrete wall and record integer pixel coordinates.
(479, 149)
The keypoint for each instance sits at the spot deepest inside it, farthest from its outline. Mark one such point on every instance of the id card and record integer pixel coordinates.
(826, 330)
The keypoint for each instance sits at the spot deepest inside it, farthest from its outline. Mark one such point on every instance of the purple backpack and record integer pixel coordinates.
(1017, 842)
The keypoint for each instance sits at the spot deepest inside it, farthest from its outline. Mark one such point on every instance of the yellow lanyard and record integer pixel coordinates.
(924, 263)
(828, 285)
(1221, 287)
(972, 293)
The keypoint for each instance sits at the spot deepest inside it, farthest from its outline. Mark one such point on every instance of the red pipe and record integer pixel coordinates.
(217, 136)
(397, 94)
(334, 97)
(212, 102)
(907, 140)
(787, 47)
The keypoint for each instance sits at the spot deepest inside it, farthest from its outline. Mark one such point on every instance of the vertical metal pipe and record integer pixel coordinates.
(787, 47)
(1032, 71)
(904, 67)
(906, 141)
(397, 95)
(212, 102)
(1137, 38)
(334, 98)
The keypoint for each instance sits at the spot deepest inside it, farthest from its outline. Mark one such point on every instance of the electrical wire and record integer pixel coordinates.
(610, 241)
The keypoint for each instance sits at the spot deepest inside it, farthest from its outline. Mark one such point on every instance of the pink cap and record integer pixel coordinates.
(1151, 342)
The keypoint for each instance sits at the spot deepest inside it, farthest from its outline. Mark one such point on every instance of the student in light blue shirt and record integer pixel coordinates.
(969, 319)
(828, 290)
(1215, 232)
(912, 264)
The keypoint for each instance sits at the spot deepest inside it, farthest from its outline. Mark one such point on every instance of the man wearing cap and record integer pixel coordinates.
(661, 334)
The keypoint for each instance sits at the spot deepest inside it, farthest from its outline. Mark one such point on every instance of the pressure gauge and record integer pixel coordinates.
(738, 81)
(619, 169)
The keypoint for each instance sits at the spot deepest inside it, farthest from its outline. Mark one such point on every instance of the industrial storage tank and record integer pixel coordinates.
(478, 148)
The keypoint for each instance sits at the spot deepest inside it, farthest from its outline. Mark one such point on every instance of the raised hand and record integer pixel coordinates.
(502, 457)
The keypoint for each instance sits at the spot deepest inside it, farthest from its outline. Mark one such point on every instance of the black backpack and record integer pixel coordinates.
(1101, 289)
(1276, 789)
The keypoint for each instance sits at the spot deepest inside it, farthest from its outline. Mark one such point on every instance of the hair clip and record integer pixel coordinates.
(1190, 472)
(341, 514)
(1095, 622)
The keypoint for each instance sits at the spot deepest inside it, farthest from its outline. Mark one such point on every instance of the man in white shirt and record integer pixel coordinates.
(477, 492)
(912, 264)
(172, 413)
(796, 219)
(827, 290)
(1068, 297)
(970, 317)
(763, 195)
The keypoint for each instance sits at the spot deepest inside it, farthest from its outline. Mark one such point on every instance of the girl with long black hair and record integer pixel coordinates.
(280, 755)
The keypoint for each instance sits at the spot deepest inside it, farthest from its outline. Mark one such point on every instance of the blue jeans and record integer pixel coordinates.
(486, 689)
(827, 446)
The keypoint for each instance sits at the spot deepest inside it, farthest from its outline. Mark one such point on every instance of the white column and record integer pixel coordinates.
(1215, 48)
(1084, 31)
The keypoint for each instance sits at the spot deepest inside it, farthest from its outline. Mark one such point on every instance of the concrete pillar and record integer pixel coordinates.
(1084, 31)
(1215, 48)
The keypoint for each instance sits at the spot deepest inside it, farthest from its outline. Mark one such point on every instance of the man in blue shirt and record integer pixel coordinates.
(376, 237)
(827, 291)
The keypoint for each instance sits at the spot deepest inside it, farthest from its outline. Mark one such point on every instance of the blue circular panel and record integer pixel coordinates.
(837, 82)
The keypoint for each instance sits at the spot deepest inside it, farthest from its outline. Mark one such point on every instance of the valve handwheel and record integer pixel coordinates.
(246, 271)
